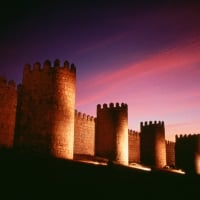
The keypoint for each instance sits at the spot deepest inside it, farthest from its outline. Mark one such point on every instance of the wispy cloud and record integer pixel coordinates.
(181, 128)
(104, 42)
(163, 85)
(176, 60)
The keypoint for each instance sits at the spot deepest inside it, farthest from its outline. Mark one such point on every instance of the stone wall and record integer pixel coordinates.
(134, 146)
(84, 134)
(8, 103)
(170, 153)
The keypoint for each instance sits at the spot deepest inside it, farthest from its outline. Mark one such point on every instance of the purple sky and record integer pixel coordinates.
(145, 55)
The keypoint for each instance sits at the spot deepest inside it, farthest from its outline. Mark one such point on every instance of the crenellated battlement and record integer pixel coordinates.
(84, 116)
(153, 146)
(168, 142)
(47, 98)
(5, 83)
(111, 138)
(47, 67)
(150, 123)
(187, 150)
(133, 132)
(111, 106)
(40, 116)
(187, 136)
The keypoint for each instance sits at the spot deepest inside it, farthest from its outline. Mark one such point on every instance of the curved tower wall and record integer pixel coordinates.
(187, 153)
(111, 135)
(152, 144)
(45, 112)
(8, 103)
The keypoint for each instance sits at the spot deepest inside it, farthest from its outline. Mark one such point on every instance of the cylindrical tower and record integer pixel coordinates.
(152, 144)
(45, 112)
(187, 153)
(111, 134)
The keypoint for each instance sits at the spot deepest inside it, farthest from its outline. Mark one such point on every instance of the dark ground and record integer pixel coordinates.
(41, 177)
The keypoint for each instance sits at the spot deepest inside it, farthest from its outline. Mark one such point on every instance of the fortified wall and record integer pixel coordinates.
(134, 146)
(84, 135)
(170, 153)
(39, 116)
(8, 103)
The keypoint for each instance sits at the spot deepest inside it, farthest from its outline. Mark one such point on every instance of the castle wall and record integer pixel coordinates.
(111, 135)
(187, 153)
(84, 134)
(134, 146)
(170, 153)
(45, 111)
(152, 144)
(8, 103)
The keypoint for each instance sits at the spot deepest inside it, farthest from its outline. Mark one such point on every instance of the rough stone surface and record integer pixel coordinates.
(134, 146)
(45, 111)
(84, 134)
(170, 153)
(8, 103)
(111, 135)
(152, 146)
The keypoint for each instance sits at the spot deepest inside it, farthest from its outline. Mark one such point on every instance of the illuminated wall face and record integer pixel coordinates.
(134, 146)
(45, 114)
(197, 163)
(170, 153)
(63, 120)
(84, 134)
(8, 103)
(111, 135)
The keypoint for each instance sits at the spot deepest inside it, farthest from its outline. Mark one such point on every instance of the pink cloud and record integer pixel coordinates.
(162, 86)
(180, 58)
(182, 55)
(178, 128)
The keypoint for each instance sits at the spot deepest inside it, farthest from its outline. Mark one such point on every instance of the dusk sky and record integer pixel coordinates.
(144, 54)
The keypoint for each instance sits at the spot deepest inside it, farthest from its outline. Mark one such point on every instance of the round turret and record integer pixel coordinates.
(187, 152)
(152, 144)
(111, 137)
(45, 113)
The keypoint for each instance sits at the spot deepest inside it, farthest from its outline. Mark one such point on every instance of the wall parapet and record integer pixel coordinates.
(84, 116)
(133, 132)
(151, 123)
(47, 66)
(111, 106)
(168, 142)
(187, 136)
(7, 83)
